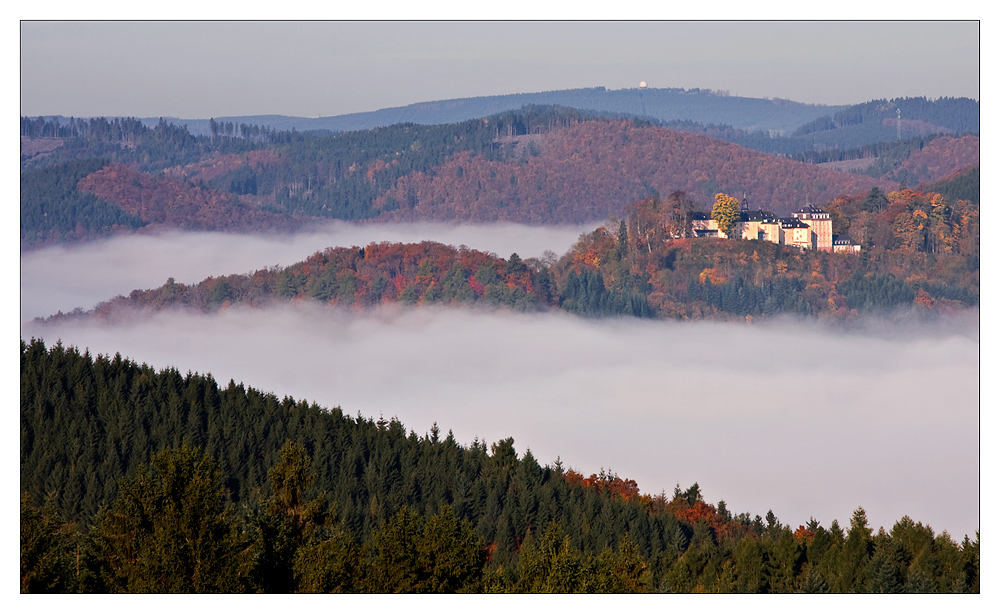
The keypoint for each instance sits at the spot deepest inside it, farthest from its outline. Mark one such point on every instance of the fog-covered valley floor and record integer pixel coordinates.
(791, 416)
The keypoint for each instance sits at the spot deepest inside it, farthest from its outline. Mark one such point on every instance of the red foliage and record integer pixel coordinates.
(477, 287)
(613, 486)
(943, 156)
(592, 169)
(381, 272)
(177, 203)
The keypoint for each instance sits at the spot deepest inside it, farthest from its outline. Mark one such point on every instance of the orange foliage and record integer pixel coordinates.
(614, 486)
(803, 535)
(924, 299)
(713, 276)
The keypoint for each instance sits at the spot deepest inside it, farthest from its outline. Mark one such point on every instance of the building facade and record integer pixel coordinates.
(820, 224)
(807, 228)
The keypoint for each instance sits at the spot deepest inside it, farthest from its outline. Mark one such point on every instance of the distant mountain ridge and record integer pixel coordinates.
(663, 104)
(774, 126)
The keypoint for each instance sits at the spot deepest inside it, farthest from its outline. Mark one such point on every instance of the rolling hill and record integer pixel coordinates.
(537, 165)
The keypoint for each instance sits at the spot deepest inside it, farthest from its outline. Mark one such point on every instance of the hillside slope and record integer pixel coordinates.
(593, 169)
(538, 165)
(174, 203)
(295, 497)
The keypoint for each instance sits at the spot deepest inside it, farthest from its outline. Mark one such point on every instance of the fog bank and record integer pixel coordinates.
(788, 416)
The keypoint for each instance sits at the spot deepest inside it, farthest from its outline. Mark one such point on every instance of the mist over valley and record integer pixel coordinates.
(789, 415)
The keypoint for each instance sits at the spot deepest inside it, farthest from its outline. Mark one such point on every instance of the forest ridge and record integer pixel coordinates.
(537, 165)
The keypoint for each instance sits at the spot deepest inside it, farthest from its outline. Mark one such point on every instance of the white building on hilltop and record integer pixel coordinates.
(807, 228)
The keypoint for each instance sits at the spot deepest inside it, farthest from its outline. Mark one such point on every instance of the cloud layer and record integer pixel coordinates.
(794, 418)
(787, 415)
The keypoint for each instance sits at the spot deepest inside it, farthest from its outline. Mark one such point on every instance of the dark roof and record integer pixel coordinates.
(757, 216)
(810, 209)
(791, 222)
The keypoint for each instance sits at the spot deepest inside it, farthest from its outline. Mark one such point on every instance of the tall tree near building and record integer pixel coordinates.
(726, 212)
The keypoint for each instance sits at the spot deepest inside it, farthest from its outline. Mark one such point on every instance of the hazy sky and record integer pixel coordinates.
(201, 69)
(789, 416)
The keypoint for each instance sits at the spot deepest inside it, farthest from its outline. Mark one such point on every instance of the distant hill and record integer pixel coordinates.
(535, 165)
(962, 185)
(772, 126)
(593, 169)
(666, 104)
(854, 131)
(920, 115)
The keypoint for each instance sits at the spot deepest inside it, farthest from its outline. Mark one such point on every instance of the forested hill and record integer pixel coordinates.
(919, 256)
(590, 170)
(426, 273)
(956, 116)
(537, 165)
(145, 481)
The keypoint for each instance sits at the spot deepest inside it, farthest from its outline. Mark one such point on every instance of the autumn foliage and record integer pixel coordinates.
(421, 273)
(593, 169)
(176, 203)
(918, 250)
(609, 485)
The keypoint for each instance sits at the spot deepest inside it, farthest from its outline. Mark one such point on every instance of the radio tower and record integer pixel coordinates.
(899, 126)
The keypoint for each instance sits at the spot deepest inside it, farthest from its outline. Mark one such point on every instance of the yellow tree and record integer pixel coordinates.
(726, 212)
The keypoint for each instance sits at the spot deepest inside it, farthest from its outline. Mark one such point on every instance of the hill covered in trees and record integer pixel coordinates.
(919, 256)
(535, 165)
(138, 480)
(961, 185)
(919, 253)
(426, 273)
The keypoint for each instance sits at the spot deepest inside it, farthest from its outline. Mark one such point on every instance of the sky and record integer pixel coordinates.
(787, 415)
(196, 70)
